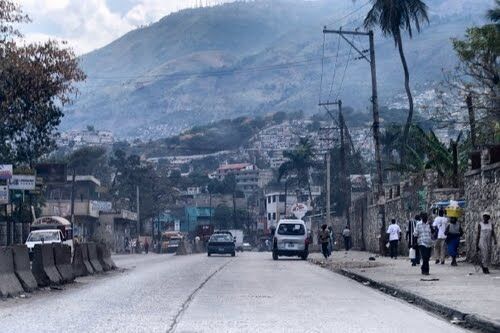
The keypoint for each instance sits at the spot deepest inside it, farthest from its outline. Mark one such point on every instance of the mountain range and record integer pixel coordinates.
(201, 65)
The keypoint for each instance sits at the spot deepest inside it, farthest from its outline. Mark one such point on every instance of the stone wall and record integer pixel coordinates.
(403, 202)
(482, 192)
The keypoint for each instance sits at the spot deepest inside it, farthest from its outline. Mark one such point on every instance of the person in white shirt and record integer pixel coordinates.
(440, 223)
(394, 232)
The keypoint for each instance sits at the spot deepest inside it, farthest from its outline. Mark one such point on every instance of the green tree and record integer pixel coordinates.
(393, 16)
(36, 81)
(477, 75)
(299, 163)
(222, 216)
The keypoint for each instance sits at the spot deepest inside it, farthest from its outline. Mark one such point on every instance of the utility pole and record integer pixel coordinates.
(345, 185)
(73, 180)
(376, 120)
(328, 162)
(138, 211)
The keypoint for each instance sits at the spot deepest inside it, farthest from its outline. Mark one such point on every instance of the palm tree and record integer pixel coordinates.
(392, 16)
(299, 162)
(494, 14)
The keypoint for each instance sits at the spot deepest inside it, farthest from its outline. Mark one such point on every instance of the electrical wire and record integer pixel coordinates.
(322, 68)
(334, 68)
(350, 13)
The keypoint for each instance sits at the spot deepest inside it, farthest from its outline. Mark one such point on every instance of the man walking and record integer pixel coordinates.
(424, 240)
(394, 232)
(412, 240)
(347, 237)
(324, 239)
(440, 223)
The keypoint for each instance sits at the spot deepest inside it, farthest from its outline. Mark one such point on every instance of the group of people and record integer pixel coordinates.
(444, 236)
(327, 239)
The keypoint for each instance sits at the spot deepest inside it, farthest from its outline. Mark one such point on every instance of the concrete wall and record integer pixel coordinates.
(482, 192)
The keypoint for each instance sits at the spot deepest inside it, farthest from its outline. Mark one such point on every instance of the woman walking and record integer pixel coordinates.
(453, 233)
(485, 236)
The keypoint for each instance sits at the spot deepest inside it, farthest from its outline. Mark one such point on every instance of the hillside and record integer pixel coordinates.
(249, 58)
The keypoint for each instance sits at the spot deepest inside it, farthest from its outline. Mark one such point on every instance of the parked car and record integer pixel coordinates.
(46, 236)
(246, 247)
(290, 239)
(221, 243)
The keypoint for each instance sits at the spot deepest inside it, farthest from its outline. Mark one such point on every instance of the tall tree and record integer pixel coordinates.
(36, 80)
(393, 16)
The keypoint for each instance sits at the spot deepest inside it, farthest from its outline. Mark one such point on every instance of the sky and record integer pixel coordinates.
(90, 24)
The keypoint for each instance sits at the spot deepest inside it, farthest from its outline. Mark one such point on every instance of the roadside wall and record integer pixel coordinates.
(482, 192)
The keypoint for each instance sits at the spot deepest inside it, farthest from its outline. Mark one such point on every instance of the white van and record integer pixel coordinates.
(290, 239)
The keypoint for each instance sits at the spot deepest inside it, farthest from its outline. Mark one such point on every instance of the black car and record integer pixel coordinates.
(221, 243)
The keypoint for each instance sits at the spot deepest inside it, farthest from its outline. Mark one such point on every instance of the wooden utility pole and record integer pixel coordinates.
(328, 162)
(345, 184)
(376, 120)
(472, 120)
(73, 180)
(138, 226)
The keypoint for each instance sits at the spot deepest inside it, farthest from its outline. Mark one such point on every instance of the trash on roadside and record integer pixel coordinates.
(457, 321)
(56, 288)
(427, 280)
(366, 283)
(372, 258)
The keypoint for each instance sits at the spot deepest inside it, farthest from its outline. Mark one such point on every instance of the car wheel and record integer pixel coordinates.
(304, 256)
(275, 255)
(233, 254)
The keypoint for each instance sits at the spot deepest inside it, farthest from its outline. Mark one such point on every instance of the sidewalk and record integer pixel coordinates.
(459, 291)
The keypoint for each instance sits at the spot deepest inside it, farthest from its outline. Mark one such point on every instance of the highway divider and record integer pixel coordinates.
(9, 284)
(104, 256)
(44, 268)
(62, 259)
(22, 268)
(94, 261)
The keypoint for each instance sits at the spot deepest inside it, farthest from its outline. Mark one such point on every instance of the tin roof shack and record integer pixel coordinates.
(87, 205)
(114, 228)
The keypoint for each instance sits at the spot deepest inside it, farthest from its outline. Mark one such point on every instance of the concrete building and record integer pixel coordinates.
(115, 227)
(275, 206)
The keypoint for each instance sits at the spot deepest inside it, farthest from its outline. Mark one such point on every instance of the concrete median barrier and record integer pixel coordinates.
(22, 267)
(81, 265)
(62, 259)
(104, 256)
(44, 268)
(9, 284)
(94, 261)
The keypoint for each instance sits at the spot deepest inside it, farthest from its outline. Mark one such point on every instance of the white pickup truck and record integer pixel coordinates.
(45, 236)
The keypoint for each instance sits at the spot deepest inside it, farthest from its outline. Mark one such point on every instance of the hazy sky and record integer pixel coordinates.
(90, 24)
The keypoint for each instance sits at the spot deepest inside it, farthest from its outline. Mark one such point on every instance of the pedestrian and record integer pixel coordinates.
(394, 232)
(127, 245)
(423, 233)
(453, 233)
(485, 236)
(330, 243)
(324, 238)
(346, 233)
(146, 246)
(412, 240)
(439, 224)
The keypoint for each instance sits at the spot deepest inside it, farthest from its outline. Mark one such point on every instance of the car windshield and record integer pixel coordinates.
(221, 238)
(296, 229)
(174, 242)
(45, 235)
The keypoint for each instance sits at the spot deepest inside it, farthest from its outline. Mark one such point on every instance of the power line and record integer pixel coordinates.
(345, 70)
(322, 67)
(334, 68)
(349, 14)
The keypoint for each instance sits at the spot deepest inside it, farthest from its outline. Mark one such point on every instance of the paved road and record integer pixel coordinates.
(249, 293)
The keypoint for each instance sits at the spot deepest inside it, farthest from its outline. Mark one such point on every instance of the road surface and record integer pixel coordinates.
(196, 293)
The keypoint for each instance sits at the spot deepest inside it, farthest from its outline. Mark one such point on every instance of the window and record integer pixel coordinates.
(291, 229)
(274, 198)
(269, 199)
(274, 216)
(269, 216)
